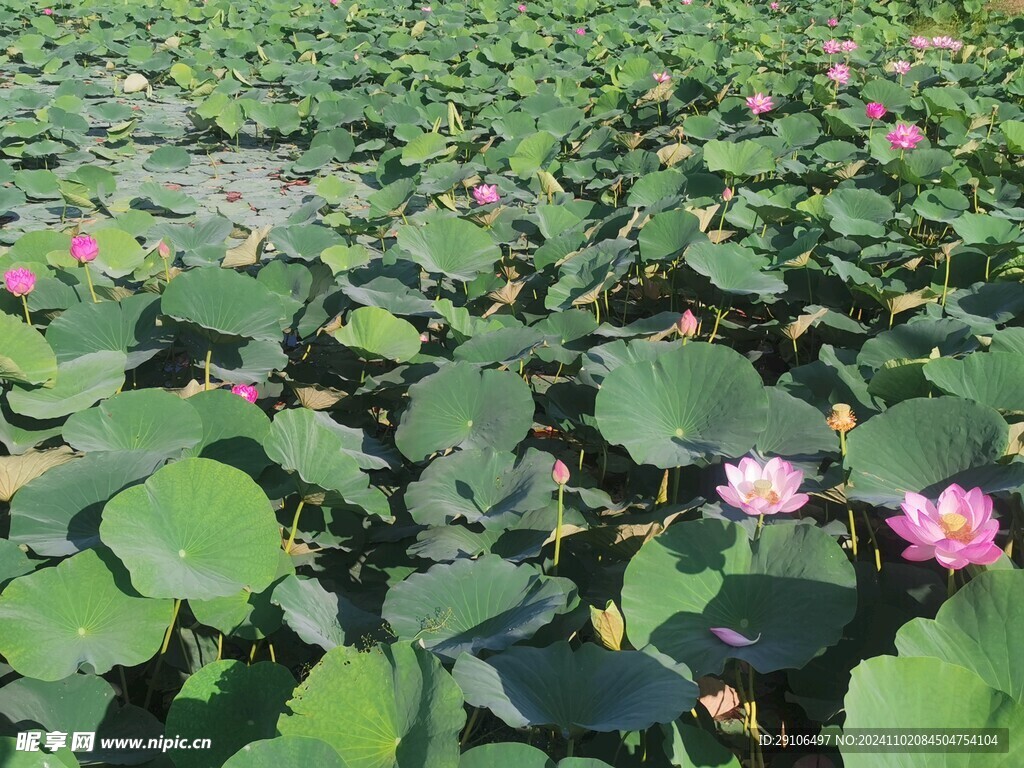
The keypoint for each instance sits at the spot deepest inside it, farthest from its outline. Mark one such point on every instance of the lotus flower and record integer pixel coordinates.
(946, 42)
(920, 43)
(773, 6)
(20, 281)
(732, 637)
(581, 31)
(47, 11)
(831, 47)
(486, 193)
(687, 2)
(904, 136)
(84, 248)
(766, 490)
(521, 8)
(163, 249)
(840, 73)
(847, 46)
(901, 67)
(687, 325)
(875, 111)
(957, 531)
(727, 193)
(560, 473)
(335, 2)
(661, 77)
(247, 391)
(833, 22)
(426, 9)
(759, 103)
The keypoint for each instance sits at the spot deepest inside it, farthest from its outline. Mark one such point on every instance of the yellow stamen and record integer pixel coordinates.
(955, 527)
(763, 490)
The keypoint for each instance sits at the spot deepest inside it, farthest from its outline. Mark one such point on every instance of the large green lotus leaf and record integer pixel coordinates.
(923, 445)
(534, 153)
(287, 752)
(232, 704)
(738, 158)
(25, 358)
(591, 688)
(148, 420)
(706, 573)
(982, 230)
(482, 486)
(195, 529)
(941, 204)
(688, 405)
(859, 212)
(734, 269)
(455, 248)
(224, 303)
(504, 345)
(323, 618)
(375, 333)
(245, 614)
(917, 339)
(654, 187)
(398, 708)
(983, 306)
(13, 562)
(80, 383)
(991, 379)
(120, 254)
(511, 754)
(76, 703)
(475, 605)
(978, 628)
(168, 159)
(128, 326)
(235, 360)
(926, 693)
(462, 406)
(794, 428)
(598, 362)
(83, 611)
(58, 513)
(233, 430)
(12, 757)
(668, 234)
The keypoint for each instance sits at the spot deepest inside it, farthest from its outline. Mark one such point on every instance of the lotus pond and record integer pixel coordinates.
(485, 385)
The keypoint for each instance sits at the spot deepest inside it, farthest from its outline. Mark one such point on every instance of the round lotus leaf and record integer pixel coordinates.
(145, 420)
(978, 628)
(79, 383)
(991, 379)
(503, 345)
(195, 529)
(667, 235)
(792, 591)
(230, 703)
(320, 617)
(224, 303)
(26, 358)
(859, 212)
(462, 406)
(455, 248)
(287, 752)
(654, 187)
(76, 703)
(128, 326)
(734, 269)
(982, 230)
(15, 758)
(923, 445)
(794, 428)
(917, 339)
(233, 430)
(83, 611)
(168, 159)
(890, 691)
(375, 333)
(120, 254)
(474, 605)
(13, 562)
(400, 707)
(691, 404)
(245, 614)
(738, 158)
(591, 688)
(482, 486)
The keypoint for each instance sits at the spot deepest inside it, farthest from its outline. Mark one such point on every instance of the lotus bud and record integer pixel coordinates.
(686, 325)
(842, 419)
(245, 390)
(727, 194)
(560, 473)
(84, 248)
(20, 282)
(163, 249)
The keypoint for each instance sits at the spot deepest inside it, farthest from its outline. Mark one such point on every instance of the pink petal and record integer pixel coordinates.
(751, 469)
(918, 553)
(729, 495)
(732, 637)
(794, 503)
(981, 553)
(905, 529)
(734, 474)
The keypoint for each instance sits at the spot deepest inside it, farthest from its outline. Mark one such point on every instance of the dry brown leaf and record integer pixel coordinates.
(609, 626)
(17, 471)
(192, 388)
(800, 326)
(317, 397)
(720, 700)
(247, 253)
(674, 153)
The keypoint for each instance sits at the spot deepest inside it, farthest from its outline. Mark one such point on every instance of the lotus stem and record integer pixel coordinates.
(273, 656)
(719, 314)
(874, 540)
(124, 684)
(167, 271)
(853, 530)
(796, 353)
(842, 443)
(252, 652)
(295, 527)
(945, 281)
(92, 291)
(760, 525)
(206, 369)
(950, 583)
(170, 627)
(160, 656)
(569, 747)
(597, 311)
(558, 529)
(220, 645)
(468, 730)
(24, 305)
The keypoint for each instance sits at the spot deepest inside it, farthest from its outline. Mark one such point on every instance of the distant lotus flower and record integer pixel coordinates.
(833, 22)
(687, 2)
(732, 637)
(773, 6)
(727, 193)
(921, 43)
(581, 31)
(163, 249)
(247, 391)
(831, 46)
(840, 73)
(486, 193)
(847, 46)
(946, 42)
(335, 2)
(521, 8)
(875, 111)
(956, 45)
(957, 531)
(426, 9)
(84, 248)
(560, 473)
(48, 11)
(687, 325)
(661, 77)
(901, 67)
(766, 490)
(20, 281)
(759, 103)
(905, 136)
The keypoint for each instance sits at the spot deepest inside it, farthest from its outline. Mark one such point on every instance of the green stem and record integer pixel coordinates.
(295, 527)
(950, 583)
(796, 354)
(853, 531)
(206, 369)
(170, 627)
(167, 271)
(874, 541)
(558, 529)
(719, 314)
(92, 291)
(469, 727)
(945, 281)
(28, 317)
(569, 748)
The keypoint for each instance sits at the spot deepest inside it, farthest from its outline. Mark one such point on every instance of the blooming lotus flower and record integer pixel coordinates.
(247, 391)
(847, 46)
(486, 193)
(732, 637)
(840, 73)
(84, 248)
(957, 531)
(833, 22)
(956, 45)
(773, 6)
(687, 2)
(727, 193)
(875, 111)
(560, 473)
(335, 2)
(766, 490)
(521, 8)
(831, 47)
(426, 9)
(759, 103)
(901, 67)
(581, 31)
(47, 11)
(687, 325)
(947, 43)
(921, 43)
(20, 281)
(904, 136)
(661, 77)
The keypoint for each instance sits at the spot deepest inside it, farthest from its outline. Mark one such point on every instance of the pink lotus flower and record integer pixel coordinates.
(727, 193)
(335, 2)
(921, 43)
(957, 531)
(486, 193)
(732, 637)
(847, 46)
(901, 67)
(904, 136)
(773, 6)
(766, 490)
(661, 77)
(875, 111)
(833, 22)
(759, 103)
(247, 391)
(840, 73)
(687, 2)
(426, 9)
(831, 47)
(560, 473)
(20, 281)
(687, 325)
(947, 43)
(163, 249)
(47, 11)
(521, 8)
(581, 31)
(84, 248)
(956, 45)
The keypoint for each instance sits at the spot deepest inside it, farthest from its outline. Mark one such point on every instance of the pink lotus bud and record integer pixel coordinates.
(560, 473)
(245, 390)
(727, 194)
(20, 281)
(774, 6)
(84, 248)
(766, 490)
(833, 22)
(521, 8)
(687, 324)
(486, 193)
(687, 2)
(163, 249)
(47, 11)
(875, 111)
(732, 637)
(335, 2)
(581, 31)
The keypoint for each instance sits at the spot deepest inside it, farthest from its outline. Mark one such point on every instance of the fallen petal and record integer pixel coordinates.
(732, 637)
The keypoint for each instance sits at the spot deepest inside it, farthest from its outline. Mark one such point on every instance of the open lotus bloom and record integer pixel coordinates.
(732, 637)
(766, 490)
(957, 531)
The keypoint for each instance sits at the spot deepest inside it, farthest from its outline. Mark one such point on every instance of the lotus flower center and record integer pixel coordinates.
(955, 527)
(763, 490)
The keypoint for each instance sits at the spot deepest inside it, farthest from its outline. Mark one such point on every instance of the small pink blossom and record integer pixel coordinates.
(687, 324)
(901, 67)
(521, 7)
(875, 110)
(732, 638)
(904, 136)
(840, 73)
(335, 2)
(47, 11)
(661, 77)
(833, 22)
(687, 2)
(163, 249)
(920, 43)
(560, 472)
(20, 281)
(759, 103)
(831, 47)
(486, 193)
(947, 43)
(727, 194)
(766, 490)
(957, 531)
(84, 248)
(773, 6)
(847, 46)
(956, 45)
(581, 31)
(426, 9)
(247, 391)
